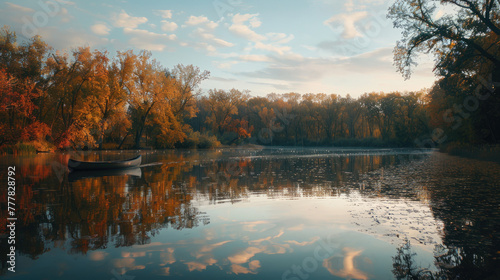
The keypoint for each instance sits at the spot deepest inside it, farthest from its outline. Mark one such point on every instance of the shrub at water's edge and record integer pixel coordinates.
(199, 140)
(27, 148)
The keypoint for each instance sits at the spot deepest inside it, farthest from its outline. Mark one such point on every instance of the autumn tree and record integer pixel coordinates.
(223, 105)
(76, 88)
(109, 97)
(371, 106)
(17, 110)
(187, 88)
(22, 88)
(463, 35)
(470, 27)
(149, 90)
(329, 109)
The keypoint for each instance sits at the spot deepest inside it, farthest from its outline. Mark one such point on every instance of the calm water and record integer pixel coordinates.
(256, 214)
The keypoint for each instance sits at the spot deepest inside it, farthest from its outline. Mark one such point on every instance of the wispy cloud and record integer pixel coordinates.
(243, 24)
(164, 13)
(100, 29)
(144, 39)
(280, 38)
(202, 34)
(255, 57)
(201, 20)
(349, 270)
(168, 26)
(346, 22)
(124, 20)
(19, 8)
(204, 38)
(272, 48)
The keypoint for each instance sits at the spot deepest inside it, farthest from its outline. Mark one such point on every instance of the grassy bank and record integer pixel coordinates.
(27, 148)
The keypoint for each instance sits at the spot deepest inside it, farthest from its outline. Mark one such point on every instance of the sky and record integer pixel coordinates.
(304, 46)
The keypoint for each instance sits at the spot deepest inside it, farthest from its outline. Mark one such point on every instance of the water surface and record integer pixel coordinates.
(280, 213)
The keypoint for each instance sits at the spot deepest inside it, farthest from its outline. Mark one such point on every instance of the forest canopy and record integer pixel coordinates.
(88, 99)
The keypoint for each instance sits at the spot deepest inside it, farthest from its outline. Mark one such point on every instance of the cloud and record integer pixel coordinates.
(209, 37)
(242, 26)
(202, 46)
(349, 270)
(167, 256)
(241, 19)
(204, 38)
(285, 87)
(126, 254)
(124, 20)
(164, 13)
(127, 263)
(65, 16)
(280, 38)
(220, 79)
(97, 255)
(19, 8)
(201, 20)
(199, 266)
(268, 238)
(304, 243)
(286, 70)
(252, 267)
(245, 32)
(15, 16)
(272, 48)
(67, 2)
(348, 22)
(284, 67)
(225, 65)
(165, 271)
(296, 228)
(336, 74)
(349, 5)
(168, 26)
(254, 58)
(245, 255)
(100, 29)
(148, 40)
(211, 247)
(67, 39)
(239, 27)
(250, 226)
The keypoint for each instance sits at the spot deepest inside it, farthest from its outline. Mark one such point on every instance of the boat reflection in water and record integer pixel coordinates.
(79, 175)
(261, 215)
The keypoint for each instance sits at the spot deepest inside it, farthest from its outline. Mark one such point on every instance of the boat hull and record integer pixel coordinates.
(101, 165)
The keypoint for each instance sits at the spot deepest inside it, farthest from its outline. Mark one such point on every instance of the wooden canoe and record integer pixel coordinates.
(100, 165)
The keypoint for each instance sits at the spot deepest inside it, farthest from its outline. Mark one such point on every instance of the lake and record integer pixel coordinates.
(273, 213)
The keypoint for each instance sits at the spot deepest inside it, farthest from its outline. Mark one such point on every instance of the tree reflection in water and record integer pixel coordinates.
(92, 213)
(95, 213)
(464, 196)
(451, 263)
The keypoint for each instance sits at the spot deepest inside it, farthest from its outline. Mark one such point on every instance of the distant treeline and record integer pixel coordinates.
(90, 100)
(375, 119)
